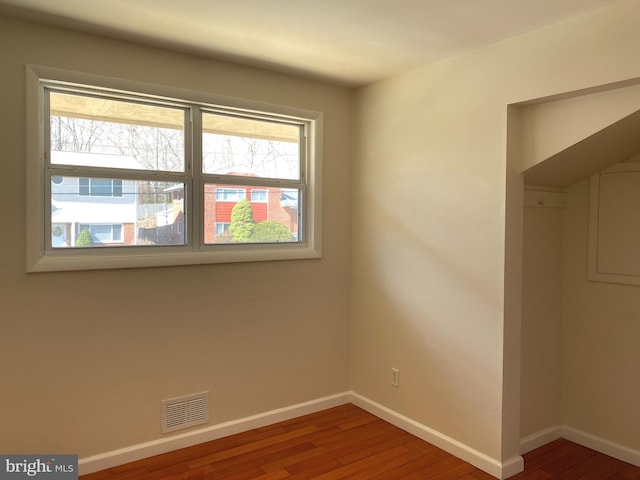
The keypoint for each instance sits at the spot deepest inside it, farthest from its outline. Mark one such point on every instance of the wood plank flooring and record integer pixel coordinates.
(346, 442)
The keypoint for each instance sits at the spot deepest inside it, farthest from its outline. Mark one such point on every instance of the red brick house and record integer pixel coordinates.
(273, 204)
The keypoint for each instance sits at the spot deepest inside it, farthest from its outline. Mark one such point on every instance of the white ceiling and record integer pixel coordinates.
(352, 42)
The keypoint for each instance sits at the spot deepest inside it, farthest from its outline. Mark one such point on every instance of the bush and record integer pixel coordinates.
(268, 232)
(244, 228)
(84, 239)
(242, 223)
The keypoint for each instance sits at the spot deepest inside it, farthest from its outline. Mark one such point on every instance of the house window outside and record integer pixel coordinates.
(222, 227)
(258, 195)
(229, 194)
(135, 165)
(103, 233)
(99, 187)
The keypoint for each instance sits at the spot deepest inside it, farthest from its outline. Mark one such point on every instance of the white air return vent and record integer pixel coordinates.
(185, 412)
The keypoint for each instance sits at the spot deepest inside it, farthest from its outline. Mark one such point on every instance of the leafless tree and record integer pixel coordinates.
(158, 148)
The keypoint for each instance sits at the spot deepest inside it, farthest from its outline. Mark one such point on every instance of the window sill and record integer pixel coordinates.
(117, 260)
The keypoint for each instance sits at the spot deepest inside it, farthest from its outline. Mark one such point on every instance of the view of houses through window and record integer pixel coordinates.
(121, 174)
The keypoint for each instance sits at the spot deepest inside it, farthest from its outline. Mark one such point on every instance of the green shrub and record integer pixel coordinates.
(268, 232)
(84, 239)
(242, 223)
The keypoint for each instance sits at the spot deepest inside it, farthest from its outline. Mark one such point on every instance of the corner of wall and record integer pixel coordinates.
(478, 459)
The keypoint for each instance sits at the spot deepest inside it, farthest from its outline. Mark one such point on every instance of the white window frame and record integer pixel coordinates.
(41, 259)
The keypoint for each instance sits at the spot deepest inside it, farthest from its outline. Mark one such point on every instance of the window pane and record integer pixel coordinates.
(222, 227)
(258, 195)
(248, 147)
(99, 132)
(102, 187)
(116, 189)
(83, 185)
(230, 194)
(101, 233)
(145, 213)
(274, 220)
(116, 232)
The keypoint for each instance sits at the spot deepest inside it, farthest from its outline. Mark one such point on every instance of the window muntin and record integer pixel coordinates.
(44, 171)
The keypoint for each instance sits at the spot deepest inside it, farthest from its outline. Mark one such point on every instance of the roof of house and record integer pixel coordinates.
(78, 212)
(94, 160)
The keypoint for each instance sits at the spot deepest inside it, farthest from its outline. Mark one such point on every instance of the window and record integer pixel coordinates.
(222, 227)
(157, 176)
(99, 187)
(102, 233)
(229, 194)
(258, 195)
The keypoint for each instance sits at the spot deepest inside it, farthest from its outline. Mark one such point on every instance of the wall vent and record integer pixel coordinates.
(185, 412)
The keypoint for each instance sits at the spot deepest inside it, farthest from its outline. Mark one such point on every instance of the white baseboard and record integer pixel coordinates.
(538, 439)
(206, 434)
(474, 457)
(580, 437)
(478, 459)
(602, 445)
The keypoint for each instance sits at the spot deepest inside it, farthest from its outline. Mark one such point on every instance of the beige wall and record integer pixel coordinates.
(87, 357)
(566, 378)
(429, 231)
(600, 332)
(580, 354)
(549, 127)
(541, 319)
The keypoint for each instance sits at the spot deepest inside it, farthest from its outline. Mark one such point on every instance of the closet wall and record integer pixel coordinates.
(580, 354)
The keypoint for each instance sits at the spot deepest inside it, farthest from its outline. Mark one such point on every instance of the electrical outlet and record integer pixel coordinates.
(395, 377)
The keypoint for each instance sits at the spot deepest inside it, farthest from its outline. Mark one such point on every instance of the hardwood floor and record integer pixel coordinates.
(348, 443)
